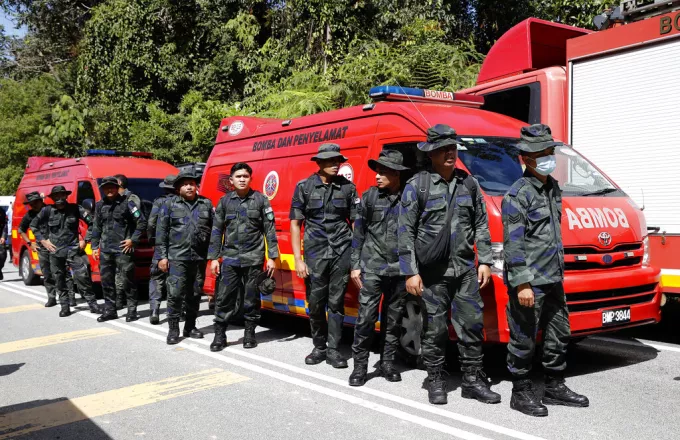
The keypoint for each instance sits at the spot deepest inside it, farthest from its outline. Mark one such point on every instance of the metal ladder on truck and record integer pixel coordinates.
(634, 10)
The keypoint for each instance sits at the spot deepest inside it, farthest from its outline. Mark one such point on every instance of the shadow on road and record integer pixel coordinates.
(6, 370)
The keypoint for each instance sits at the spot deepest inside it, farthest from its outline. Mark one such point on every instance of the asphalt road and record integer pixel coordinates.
(73, 378)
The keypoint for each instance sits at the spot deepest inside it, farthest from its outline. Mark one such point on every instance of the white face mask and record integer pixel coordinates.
(546, 165)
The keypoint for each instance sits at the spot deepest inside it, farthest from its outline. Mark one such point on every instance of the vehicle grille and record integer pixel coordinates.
(602, 299)
(589, 266)
(578, 258)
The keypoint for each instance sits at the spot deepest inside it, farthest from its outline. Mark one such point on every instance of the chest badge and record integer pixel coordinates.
(271, 185)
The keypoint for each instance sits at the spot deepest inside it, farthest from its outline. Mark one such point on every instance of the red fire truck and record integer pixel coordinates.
(613, 95)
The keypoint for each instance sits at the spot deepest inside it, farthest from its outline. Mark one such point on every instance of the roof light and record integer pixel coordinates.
(398, 93)
(119, 153)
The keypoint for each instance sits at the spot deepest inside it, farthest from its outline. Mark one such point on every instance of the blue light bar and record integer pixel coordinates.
(101, 152)
(398, 93)
(119, 153)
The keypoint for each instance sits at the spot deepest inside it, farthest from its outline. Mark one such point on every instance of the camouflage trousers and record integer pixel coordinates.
(459, 295)
(74, 259)
(236, 285)
(157, 285)
(392, 291)
(124, 288)
(48, 276)
(326, 286)
(550, 315)
(112, 266)
(185, 283)
(3, 256)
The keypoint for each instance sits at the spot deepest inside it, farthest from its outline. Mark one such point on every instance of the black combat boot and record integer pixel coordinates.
(155, 318)
(476, 386)
(173, 331)
(108, 315)
(65, 311)
(335, 359)
(316, 356)
(220, 340)
(72, 299)
(388, 371)
(190, 330)
(249, 340)
(436, 386)
(94, 307)
(557, 393)
(51, 302)
(524, 399)
(358, 376)
(131, 315)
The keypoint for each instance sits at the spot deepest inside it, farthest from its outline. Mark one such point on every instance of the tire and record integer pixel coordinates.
(411, 329)
(26, 270)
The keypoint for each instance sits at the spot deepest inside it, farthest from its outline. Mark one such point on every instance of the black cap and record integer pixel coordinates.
(391, 159)
(438, 136)
(109, 180)
(328, 151)
(32, 197)
(535, 138)
(265, 284)
(59, 189)
(186, 174)
(168, 182)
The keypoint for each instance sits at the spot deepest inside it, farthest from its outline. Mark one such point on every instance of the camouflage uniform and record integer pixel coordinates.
(114, 221)
(375, 251)
(3, 234)
(43, 254)
(533, 253)
(327, 211)
(121, 277)
(182, 237)
(158, 278)
(454, 284)
(243, 223)
(61, 228)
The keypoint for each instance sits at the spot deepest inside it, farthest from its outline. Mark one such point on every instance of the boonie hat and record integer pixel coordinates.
(168, 182)
(438, 136)
(535, 138)
(328, 151)
(32, 197)
(109, 180)
(391, 159)
(59, 189)
(186, 174)
(265, 284)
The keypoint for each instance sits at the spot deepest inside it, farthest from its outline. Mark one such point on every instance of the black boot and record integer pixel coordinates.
(51, 302)
(524, 399)
(108, 314)
(94, 307)
(249, 340)
(358, 376)
(335, 359)
(557, 393)
(131, 315)
(436, 386)
(72, 299)
(476, 386)
(65, 311)
(388, 371)
(155, 316)
(220, 340)
(315, 357)
(190, 330)
(173, 332)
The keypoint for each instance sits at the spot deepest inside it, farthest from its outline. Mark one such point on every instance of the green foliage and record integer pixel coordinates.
(68, 134)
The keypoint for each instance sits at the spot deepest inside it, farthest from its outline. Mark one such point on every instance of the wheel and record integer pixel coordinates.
(411, 328)
(26, 270)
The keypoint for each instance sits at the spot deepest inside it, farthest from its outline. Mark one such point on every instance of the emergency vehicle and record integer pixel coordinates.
(609, 286)
(613, 95)
(82, 176)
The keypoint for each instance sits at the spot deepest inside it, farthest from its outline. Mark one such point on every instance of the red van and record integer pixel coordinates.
(82, 176)
(606, 267)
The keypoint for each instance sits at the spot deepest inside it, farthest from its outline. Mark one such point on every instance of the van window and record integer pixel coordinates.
(523, 102)
(85, 191)
(413, 157)
(496, 164)
(146, 189)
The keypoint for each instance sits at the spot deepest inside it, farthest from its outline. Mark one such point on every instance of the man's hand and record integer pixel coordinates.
(163, 265)
(49, 246)
(271, 267)
(82, 244)
(414, 285)
(2, 241)
(356, 278)
(525, 295)
(34, 246)
(215, 267)
(301, 268)
(95, 254)
(127, 246)
(483, 275)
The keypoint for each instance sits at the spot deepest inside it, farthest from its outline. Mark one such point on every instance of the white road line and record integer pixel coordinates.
(642, 343)
(190, 345)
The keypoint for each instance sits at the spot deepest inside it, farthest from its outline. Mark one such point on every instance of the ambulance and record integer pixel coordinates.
(82, 176)
(613, 95)
(609, 283)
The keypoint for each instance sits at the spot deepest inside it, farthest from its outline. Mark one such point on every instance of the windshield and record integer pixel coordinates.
(146, 189)
(496, 164)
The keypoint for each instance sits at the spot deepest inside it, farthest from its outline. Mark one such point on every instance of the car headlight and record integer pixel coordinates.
(645, 255)
(497, 258)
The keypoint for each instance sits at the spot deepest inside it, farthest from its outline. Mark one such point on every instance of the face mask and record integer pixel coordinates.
(546, 165)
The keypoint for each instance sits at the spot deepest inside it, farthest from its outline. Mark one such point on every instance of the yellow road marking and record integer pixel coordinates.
(44, 341)
(21, 308)
(82, 408)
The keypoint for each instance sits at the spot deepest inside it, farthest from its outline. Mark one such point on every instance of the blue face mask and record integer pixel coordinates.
(546, 165)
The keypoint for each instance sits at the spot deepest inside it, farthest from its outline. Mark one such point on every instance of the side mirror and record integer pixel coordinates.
(88, 205)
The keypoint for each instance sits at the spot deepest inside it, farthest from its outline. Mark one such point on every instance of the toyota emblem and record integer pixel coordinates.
(605, 239)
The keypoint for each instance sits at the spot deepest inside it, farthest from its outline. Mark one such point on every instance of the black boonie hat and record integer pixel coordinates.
(265, 284)
(32, 197)
(328, 151)
(438, 136)
(391, 159)
(57, 190)
(186, 174)
(535, 138)
(109, 180)
(168, 182)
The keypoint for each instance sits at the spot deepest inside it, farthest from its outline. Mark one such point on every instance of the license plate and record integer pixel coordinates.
(615, 316)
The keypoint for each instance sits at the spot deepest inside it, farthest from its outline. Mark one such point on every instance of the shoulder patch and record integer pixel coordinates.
(135, 212)
(357, 201)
